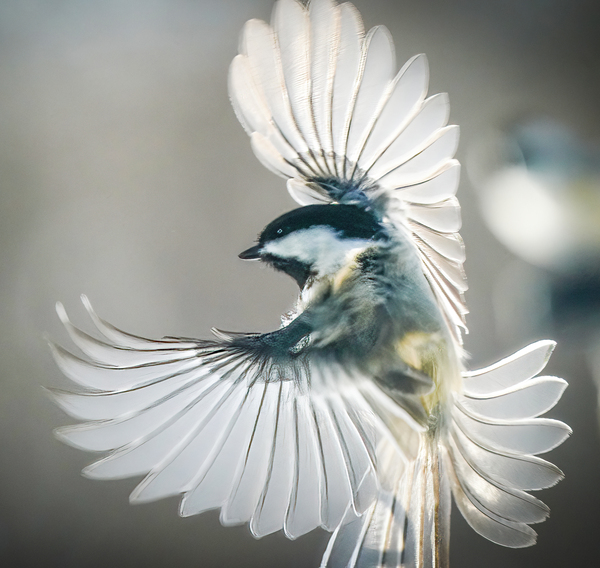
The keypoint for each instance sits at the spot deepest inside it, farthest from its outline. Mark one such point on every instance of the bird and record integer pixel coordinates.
(358, 415)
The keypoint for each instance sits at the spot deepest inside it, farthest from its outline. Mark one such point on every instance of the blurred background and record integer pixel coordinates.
(125, 175)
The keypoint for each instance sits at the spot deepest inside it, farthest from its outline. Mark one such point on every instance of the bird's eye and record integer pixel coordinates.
(279, 231)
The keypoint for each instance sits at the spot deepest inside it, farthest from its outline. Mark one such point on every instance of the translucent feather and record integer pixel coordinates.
(432, 116)
(348, 70)
(523, 365)
(407, 92)
(324, 28)
(379, 68)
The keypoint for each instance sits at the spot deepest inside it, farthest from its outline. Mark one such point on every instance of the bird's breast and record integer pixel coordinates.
(380, 313)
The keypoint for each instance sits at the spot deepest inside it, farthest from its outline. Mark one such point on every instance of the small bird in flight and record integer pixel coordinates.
(358, 414)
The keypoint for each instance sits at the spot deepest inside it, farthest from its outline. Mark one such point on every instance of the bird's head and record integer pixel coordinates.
(315, 241)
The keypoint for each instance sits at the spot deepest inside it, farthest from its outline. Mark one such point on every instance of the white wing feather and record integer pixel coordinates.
(493, 442)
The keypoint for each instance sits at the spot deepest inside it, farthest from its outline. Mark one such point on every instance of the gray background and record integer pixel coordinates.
(125, 175)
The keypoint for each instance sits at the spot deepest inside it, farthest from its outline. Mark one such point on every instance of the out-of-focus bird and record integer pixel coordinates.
(539, 189)
(357, 415)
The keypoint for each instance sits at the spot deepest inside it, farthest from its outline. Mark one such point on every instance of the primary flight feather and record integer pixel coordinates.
(357, 415)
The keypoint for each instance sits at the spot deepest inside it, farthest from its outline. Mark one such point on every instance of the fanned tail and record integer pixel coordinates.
(484, 454)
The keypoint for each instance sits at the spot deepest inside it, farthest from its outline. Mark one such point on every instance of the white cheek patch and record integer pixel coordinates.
(321, 247)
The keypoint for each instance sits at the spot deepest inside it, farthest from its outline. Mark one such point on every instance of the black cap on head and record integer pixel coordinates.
(351, 221)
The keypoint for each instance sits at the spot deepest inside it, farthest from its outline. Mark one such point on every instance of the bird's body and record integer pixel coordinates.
(369, 306)
(357, 415)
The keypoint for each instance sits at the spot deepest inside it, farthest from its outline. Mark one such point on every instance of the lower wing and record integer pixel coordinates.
(279, 442)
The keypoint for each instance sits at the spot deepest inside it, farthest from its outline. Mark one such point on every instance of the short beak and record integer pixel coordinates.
(253, 253)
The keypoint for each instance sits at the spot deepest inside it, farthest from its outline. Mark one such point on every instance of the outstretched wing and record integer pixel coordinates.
(248, 424)
(325, 108)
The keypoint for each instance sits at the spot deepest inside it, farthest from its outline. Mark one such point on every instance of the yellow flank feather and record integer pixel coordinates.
(412, 349)
(429, 353)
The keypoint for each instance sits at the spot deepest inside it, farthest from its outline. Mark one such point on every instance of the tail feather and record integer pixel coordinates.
(376, 539)
(428, 534)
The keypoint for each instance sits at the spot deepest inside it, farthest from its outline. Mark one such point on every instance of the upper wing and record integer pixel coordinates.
(279, 441)
(324, 107)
